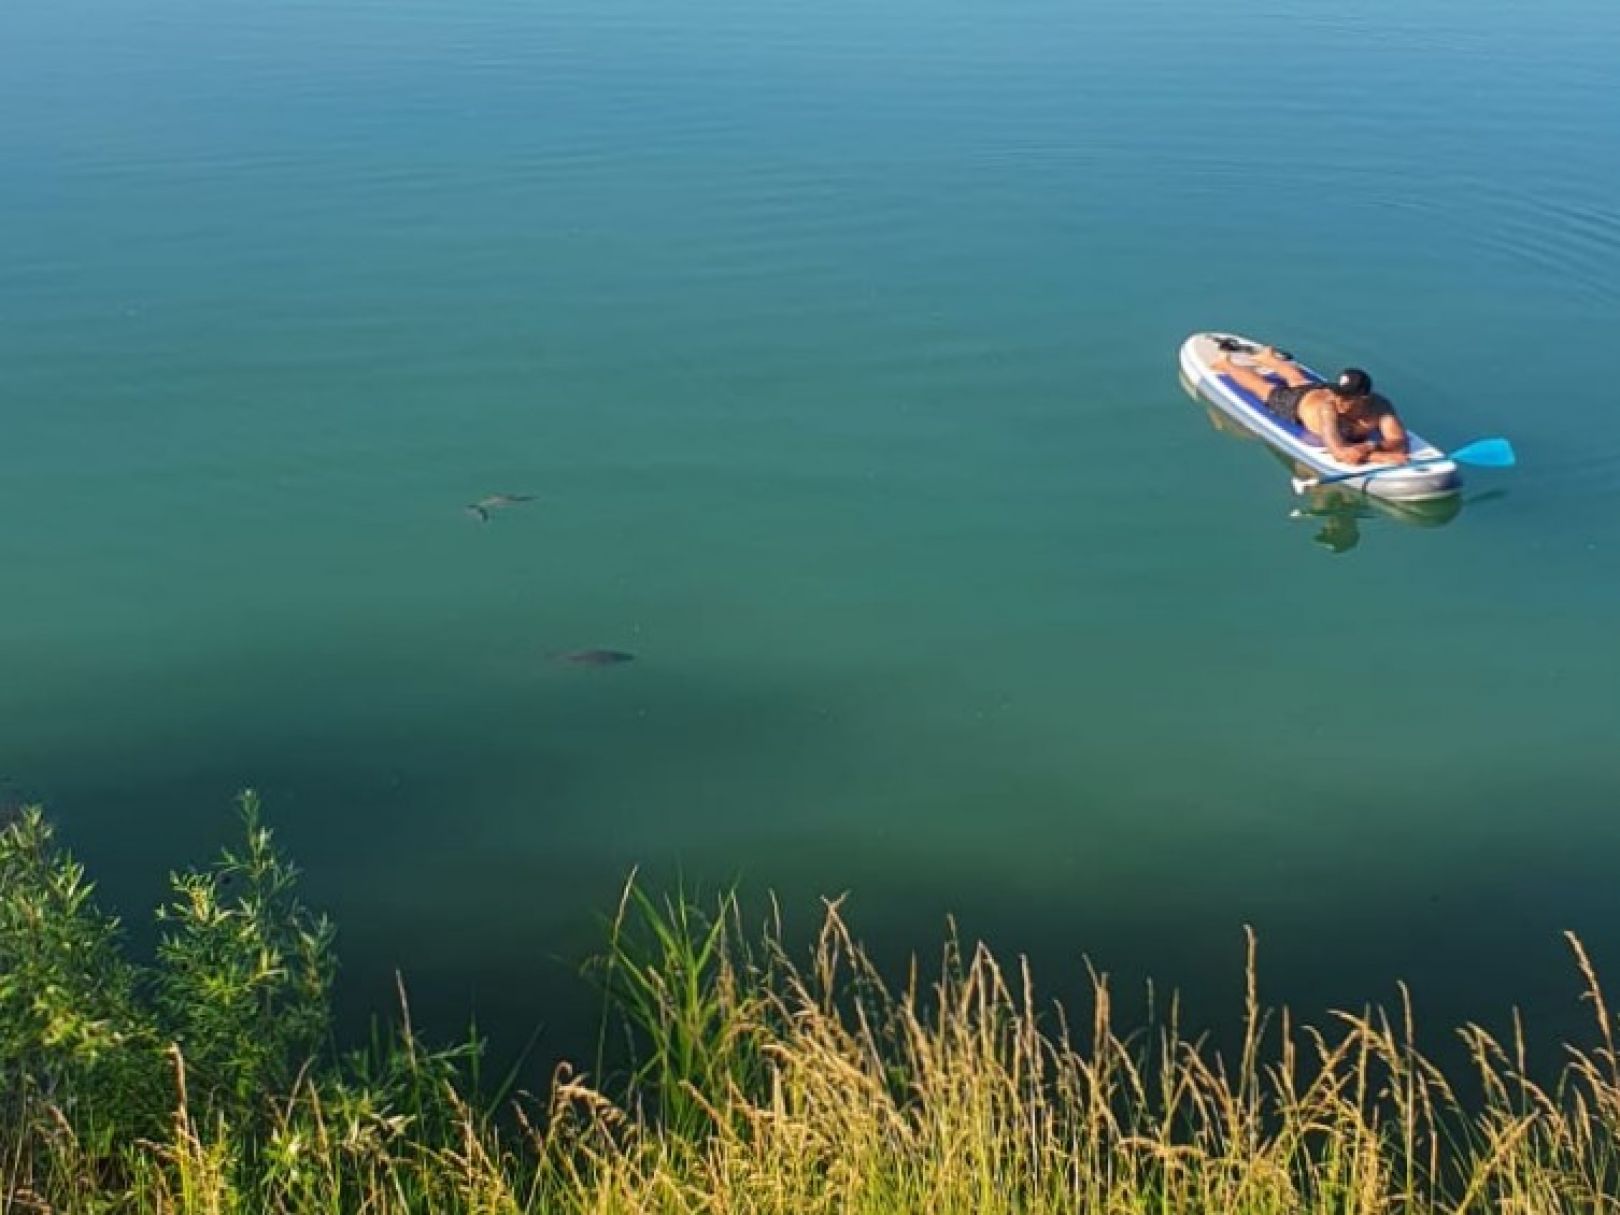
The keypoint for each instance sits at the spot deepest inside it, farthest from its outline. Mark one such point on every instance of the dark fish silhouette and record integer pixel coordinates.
(483, 506)
(595, 658)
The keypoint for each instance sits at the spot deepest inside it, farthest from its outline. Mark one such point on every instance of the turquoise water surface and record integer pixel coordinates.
(837, 345)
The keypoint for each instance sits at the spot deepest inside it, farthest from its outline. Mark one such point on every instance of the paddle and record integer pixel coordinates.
(1481, 453)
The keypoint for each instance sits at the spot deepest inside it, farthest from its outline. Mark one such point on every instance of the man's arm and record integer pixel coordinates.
(1392, 446)
(1333, 439)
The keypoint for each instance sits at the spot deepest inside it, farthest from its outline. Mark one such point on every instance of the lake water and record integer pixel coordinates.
(837, 345)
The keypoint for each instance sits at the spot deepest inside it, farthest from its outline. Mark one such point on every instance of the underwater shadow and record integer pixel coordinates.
(467, 837)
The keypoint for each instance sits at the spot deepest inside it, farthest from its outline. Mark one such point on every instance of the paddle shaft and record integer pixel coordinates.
(1376, 470)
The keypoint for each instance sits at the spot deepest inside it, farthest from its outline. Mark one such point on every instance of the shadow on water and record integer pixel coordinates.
(475, 849)
(1338, 921)
(470, 846)
(1338, 511)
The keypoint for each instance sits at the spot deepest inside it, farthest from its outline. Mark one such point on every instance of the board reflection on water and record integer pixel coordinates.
(1340, 511)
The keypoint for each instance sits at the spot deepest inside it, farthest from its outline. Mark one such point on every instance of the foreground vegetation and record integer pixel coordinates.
(206, 1082)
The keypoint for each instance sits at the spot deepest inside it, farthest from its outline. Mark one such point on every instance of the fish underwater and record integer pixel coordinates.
(595, 658)
(481, 509)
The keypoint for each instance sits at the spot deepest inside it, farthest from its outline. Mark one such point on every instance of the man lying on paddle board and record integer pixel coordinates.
(1355, 424)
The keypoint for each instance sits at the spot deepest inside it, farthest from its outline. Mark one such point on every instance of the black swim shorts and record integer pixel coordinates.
(1284, 400)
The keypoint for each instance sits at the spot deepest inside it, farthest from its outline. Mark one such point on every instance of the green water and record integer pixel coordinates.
(837, 343)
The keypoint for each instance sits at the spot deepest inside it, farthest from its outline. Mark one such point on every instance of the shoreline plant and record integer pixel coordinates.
(732, 1077)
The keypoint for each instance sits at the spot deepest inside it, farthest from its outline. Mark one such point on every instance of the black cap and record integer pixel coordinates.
(1353, 382)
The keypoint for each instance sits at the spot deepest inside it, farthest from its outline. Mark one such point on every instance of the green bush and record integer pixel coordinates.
(239, 989)
(75, 1033)
(243, 973)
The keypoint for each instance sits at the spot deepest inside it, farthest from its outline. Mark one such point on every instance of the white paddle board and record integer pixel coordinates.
(1428, 473)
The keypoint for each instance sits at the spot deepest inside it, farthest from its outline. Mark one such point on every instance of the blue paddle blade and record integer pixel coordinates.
(1486, 453)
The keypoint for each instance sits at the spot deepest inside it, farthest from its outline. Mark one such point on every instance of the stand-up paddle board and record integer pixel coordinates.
(1428, 474)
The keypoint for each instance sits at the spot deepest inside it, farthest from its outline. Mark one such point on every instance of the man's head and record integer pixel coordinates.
(1353, 382)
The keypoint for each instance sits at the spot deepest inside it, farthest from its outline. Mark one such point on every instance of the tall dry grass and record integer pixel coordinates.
(813, 1085)
(969, 1095)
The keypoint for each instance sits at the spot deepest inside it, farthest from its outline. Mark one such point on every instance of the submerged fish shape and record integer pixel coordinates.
(494, 502)
(595, 658)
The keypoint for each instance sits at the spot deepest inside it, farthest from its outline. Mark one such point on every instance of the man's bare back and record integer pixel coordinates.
(1356, 425)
